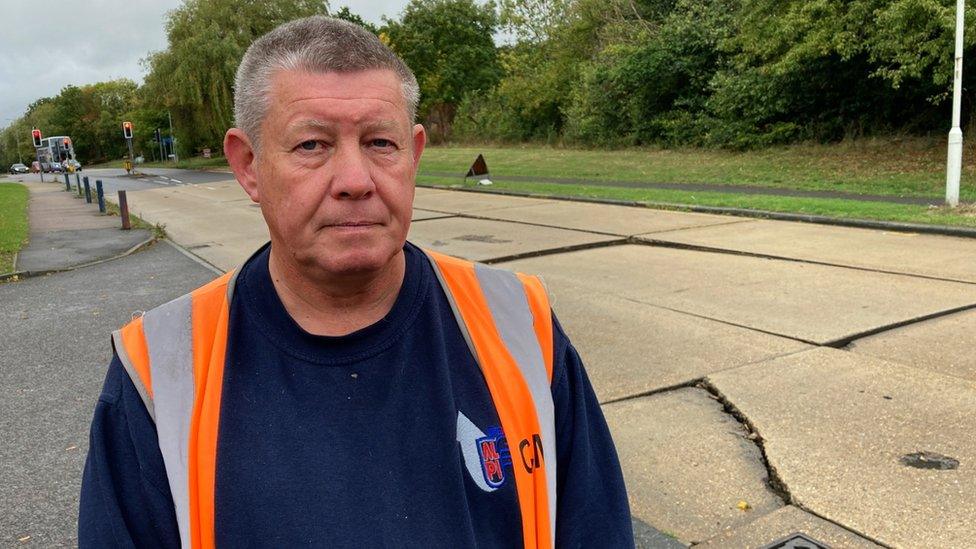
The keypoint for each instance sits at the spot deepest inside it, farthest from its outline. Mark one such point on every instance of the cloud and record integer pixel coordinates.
(47, 46)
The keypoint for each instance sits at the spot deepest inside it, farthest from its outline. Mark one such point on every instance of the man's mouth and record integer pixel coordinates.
(352, 224)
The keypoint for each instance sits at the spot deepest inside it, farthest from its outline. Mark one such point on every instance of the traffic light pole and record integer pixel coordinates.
(40, 168)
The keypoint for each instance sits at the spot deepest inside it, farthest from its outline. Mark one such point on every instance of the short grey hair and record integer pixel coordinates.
(316, 44)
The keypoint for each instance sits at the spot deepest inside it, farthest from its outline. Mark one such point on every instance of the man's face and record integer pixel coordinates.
(335, 171)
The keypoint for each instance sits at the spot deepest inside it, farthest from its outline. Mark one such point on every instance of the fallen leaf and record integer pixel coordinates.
(743, 506)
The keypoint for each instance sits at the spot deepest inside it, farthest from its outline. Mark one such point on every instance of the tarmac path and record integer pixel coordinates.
(54, 354)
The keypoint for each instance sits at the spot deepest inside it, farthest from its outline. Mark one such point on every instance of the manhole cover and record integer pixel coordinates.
(797, 541)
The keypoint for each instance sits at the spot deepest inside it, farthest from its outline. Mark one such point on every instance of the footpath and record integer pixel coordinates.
(761, 378)
(67, 232)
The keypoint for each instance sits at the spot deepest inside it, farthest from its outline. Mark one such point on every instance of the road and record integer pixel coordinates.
(115, 179)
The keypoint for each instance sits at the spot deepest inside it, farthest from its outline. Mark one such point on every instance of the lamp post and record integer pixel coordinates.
(954, 161)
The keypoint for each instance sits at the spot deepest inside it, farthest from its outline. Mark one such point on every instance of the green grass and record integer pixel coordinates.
(13, 222)
(669, 199)
(899, 167)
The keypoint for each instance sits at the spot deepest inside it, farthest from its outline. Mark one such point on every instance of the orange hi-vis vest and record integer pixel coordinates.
(175, 355)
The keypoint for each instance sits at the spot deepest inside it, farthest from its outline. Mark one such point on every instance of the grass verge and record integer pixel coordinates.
(669, 199)
(896, 167)
(13, 222)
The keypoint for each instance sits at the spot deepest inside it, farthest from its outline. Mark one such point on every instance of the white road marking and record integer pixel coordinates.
(175, 180)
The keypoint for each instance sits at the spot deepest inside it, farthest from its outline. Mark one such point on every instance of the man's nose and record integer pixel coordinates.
(351, 179)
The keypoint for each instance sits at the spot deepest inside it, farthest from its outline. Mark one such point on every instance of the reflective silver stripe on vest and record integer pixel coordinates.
(509, 307)
(169, 337)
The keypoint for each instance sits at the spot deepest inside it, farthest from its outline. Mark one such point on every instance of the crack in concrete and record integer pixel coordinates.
(843, 342)
(555, 251)
(720, 321)
(709, 249)
(774, 482)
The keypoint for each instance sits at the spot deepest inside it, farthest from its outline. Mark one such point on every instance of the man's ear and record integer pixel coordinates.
(241, 158)
(419, 142)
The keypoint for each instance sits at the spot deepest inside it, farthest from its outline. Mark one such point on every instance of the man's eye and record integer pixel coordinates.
(382, 143)
(309, 145)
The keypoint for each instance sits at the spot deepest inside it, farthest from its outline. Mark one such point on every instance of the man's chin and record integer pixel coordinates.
(351, 262)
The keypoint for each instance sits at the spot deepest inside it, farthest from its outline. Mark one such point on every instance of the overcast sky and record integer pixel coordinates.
(93, 41)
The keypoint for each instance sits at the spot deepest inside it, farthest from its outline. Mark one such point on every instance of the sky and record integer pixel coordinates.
(88, 41)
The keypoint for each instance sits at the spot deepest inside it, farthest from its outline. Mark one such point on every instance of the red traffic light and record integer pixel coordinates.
(127, 129)
(36, 135)
(67, 142)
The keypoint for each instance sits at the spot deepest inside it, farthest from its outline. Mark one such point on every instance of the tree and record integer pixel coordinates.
(449, 46)
(346, 14)
(193, 78)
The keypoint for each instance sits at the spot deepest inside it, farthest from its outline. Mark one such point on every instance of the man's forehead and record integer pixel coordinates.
(297, 85)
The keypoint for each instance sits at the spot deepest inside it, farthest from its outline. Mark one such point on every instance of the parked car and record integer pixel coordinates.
(18, 168)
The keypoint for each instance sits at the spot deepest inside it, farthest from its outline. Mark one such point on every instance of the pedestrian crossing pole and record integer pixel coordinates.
(954, 162)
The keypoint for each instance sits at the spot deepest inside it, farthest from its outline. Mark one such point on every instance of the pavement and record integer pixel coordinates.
(761, 378)
(66, 231)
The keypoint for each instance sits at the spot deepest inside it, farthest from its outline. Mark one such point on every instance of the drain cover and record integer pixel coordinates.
(797, 541)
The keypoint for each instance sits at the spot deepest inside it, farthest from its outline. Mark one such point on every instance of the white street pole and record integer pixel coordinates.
(954, 162)
(172, 137)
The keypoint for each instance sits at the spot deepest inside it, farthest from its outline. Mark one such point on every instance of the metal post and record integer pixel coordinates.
(87, 191)
(40, 167)
(79, 186)
(100, 194)
(132, 158)
(67, 182)
(78, 181)
(954, 161)
(124, 211)
(172, 137)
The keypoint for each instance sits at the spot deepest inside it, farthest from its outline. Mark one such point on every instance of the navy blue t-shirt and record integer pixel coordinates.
(365, 440)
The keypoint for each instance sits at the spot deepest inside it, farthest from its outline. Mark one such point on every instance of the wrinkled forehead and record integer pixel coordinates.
(377, 90)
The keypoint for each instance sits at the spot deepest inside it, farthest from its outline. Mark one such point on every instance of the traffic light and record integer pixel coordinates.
(67, 142)
(127, 129)
(36, 134)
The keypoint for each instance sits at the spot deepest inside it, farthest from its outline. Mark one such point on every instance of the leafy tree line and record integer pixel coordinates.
(730, 73)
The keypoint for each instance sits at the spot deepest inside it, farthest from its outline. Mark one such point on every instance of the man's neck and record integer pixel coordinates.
(336, 306)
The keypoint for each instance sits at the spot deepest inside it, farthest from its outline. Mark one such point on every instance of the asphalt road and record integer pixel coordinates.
(114, 179)
(54, 351)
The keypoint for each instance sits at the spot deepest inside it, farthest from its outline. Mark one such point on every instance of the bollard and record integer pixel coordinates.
(67, 182)
(100, 194)
(78, 181)
(79, 186)
(124, 211)
(87, 191)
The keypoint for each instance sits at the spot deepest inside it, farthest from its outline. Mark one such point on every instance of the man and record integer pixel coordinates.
(343, 387)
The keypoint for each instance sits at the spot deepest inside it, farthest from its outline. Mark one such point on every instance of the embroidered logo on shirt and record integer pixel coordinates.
(485, 455)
